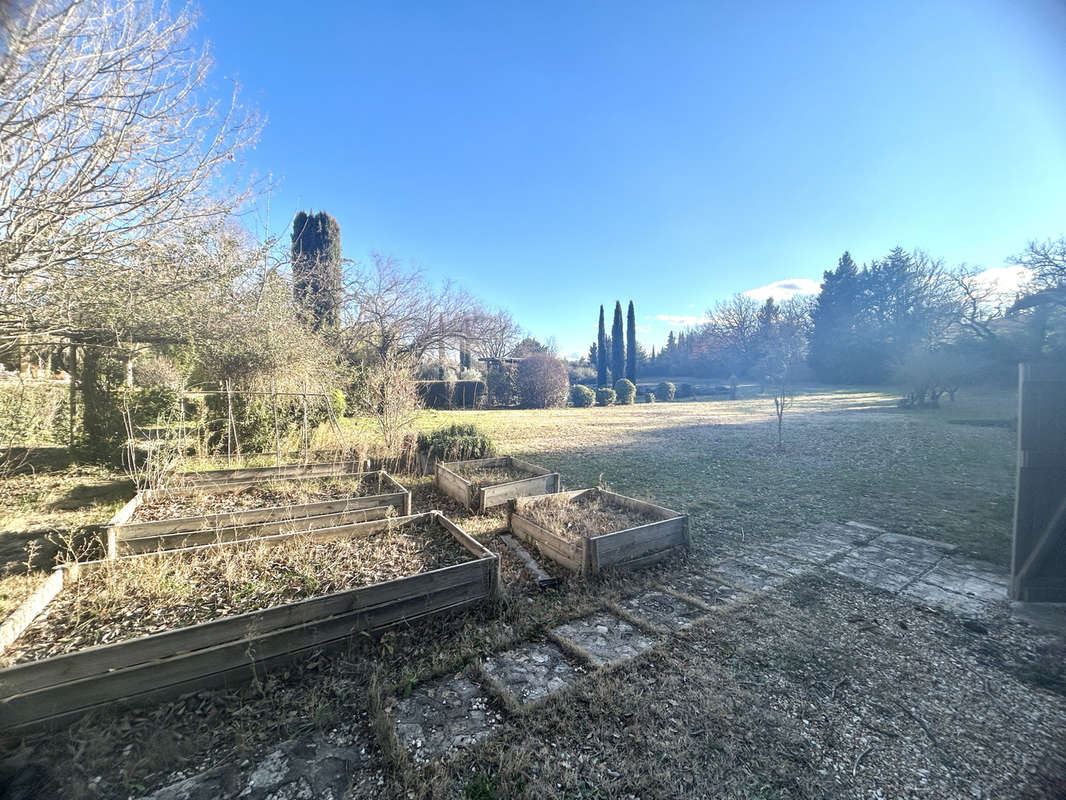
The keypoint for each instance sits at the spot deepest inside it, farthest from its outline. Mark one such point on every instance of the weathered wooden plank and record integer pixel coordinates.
(194, 668)
(170, 541)
(221, 477)
(615, 549)
(543, 578)
(454, 485)
(19, 619)
(321, 535)
(22, 678)
(136, 530)
(569, 554)
(525, 466)
(639, 505)
(222, 678)
(648, 534)
(492, 496)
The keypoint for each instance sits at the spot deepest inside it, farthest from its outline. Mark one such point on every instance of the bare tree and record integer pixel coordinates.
(732, 330)
(1047, 260)
(495, 334)
(392, 312)
(107, 151)
(785, 349)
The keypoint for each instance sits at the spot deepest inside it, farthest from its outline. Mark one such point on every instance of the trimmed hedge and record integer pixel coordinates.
(605, 397)
(625, 391)
(665, 391)
(685, 390)
(582, 396)
(451, 394)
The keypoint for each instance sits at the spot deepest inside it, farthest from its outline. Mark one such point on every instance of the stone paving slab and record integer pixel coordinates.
(438, 718)
(604, 637)
(747, 576)
(663, 610)
(881, 567)
(769, 561)
(822, 543)
(532, 671)
(969, 577)
(318, 767)
(937, 597)
(710, 591)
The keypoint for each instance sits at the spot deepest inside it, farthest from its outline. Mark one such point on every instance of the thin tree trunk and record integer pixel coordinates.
(72, 370)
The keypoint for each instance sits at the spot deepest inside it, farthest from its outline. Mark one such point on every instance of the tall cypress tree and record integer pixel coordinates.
(316, 269)
(618, 352)
(631, 343)
(601, 354)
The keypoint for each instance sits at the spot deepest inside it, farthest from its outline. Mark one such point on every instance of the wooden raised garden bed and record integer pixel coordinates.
(223, 649)
(484, 483)
(590, 530)
(126, 533)
(246, 475)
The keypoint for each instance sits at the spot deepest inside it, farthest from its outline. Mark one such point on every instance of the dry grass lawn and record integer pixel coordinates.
(821, 688)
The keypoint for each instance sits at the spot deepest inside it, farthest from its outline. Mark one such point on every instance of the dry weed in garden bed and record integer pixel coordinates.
(150, 594)
(588, 515)
(171, 505)
(491, 476)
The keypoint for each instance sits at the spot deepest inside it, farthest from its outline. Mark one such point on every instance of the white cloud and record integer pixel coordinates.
(682, 320)
(1004, 282)
(785, 290)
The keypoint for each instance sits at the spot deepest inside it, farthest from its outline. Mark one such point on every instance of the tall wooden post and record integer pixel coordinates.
(1038, 562)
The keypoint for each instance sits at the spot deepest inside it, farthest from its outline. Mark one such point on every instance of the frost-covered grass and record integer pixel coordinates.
(848, 454)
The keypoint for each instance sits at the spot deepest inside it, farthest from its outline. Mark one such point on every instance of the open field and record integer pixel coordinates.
(820, 687)
(847, 455)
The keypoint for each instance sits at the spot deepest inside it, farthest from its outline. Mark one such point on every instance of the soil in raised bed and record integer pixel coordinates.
(589, 515)
(491, 476)
(174, 505)
(136, 597)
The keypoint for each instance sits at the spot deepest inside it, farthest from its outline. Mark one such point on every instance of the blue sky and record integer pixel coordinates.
(554, 156)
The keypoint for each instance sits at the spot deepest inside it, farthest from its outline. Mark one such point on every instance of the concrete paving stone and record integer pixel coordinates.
(440, 717)
(746, 576)
(959, 574)
(938, 597)
(710, 591)
(876, 567)
(604, 637)
(912, 546)
(532, 671)
(317, 768)
(817, 545)
(663, 610)
(768, 560)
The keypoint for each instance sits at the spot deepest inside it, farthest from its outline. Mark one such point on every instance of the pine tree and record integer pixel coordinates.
(618, 352)
(601, 354)
(631, 344)
(316, 269)
(835, 314)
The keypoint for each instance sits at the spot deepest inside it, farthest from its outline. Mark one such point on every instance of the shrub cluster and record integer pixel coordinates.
(665, 391)
(582, 396)
(542, 381)
(451, 394)
(685, 390)
(502, 386)
(605, 397)
(457, 442)
(625, 391)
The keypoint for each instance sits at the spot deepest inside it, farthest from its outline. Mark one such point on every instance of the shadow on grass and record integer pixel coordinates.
(904, 471)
